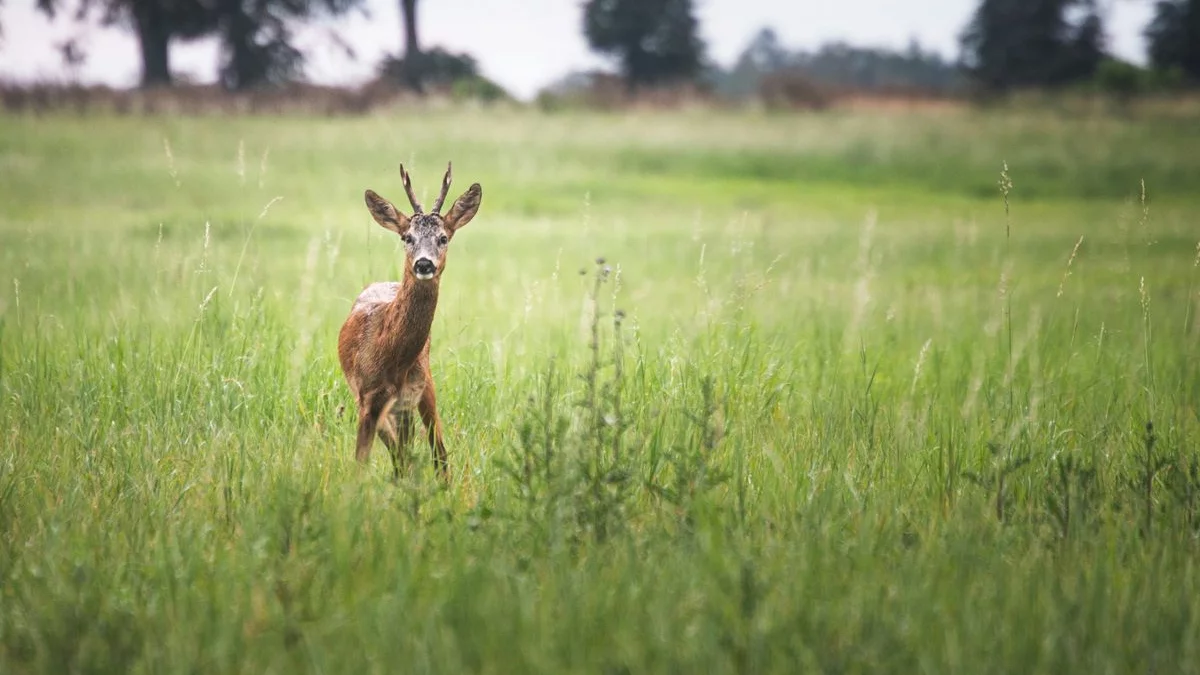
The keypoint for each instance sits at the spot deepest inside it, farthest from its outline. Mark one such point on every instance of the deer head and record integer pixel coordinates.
(426, 236)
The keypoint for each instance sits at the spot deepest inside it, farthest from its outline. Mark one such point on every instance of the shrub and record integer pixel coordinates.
(443, 70)
(792, 88)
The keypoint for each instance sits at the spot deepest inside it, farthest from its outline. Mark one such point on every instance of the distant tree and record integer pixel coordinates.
(869, 68)
(835, 64)
(1174, 37)
(762, 56)
(1038, 43)
(1085, 44)
(419, 69)
(448, 71)
(656, 41)
(1121, 80)
(154, 22)
(412, 61)
(256, 38)
(764, 52)
(413, 67)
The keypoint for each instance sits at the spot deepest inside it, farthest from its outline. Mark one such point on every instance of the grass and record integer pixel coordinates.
(842, 422)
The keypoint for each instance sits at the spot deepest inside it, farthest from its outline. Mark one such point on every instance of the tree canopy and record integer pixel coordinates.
(1032, 43)
(838, 64)
(154, 22)
(256, 38)
(255, 35)
(1173, 37)
(655, 41)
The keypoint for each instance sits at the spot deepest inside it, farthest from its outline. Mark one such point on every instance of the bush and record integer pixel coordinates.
(590, 89)
(1124, 81)
(443, 70)
(1120, 79)
(792, 88)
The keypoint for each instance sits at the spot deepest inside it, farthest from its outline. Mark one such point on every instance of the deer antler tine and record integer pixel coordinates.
(412, 198)
(437, 206)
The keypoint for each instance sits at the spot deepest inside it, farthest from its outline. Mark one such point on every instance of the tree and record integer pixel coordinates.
(412, 61)
(766, 64)
(656, 41)
(413, 67)
(154, 22)
(420, 69)
(1032, 43)
(256, 38)
(762, 56)
(1174, 37)
(1084, 45)
(764, 53)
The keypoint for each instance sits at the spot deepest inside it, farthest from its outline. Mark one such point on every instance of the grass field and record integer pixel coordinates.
(859, 412)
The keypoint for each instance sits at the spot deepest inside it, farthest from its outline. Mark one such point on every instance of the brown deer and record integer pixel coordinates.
(384, 344)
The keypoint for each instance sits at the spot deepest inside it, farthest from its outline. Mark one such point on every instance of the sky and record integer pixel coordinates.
(521, 44)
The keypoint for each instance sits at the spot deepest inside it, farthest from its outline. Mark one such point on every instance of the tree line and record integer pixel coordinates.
(1007, 44)
(256, 36)
(837, 64)
(1051, 43)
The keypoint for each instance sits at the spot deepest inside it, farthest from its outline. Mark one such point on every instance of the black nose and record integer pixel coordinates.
(424, 267)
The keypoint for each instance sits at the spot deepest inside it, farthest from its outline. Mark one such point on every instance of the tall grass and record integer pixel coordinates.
(856, 425)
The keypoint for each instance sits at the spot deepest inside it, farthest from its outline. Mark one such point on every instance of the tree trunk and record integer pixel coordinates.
(154, 38)
(413, 60)
(636, 69)
(240, 70)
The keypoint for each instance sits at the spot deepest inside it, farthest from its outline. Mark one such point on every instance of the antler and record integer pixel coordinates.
(412, 198)
(437, 206)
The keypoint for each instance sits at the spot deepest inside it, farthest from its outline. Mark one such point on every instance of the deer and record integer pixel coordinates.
(383, 345)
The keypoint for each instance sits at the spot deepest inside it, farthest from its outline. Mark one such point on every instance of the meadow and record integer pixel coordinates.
(723, 392)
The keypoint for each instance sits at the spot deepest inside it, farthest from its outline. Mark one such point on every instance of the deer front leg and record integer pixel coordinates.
(396, 433)
(433, 427)
(369, 410)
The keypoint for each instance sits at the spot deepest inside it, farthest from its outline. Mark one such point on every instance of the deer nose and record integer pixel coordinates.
(424, 268)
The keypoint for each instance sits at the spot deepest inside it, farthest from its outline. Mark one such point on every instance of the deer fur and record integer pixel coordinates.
(384, 344)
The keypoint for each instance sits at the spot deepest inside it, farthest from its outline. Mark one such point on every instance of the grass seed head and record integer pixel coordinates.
(1067, 272)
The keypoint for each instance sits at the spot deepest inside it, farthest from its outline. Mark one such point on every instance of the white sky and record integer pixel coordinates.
(522, 44)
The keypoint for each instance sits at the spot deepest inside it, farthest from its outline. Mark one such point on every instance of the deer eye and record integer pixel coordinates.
(443, 240)
(406, 238)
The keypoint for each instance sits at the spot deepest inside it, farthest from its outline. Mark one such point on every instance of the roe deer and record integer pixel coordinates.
(384, 344)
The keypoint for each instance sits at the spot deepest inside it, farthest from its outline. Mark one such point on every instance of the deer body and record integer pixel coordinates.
(383, 346)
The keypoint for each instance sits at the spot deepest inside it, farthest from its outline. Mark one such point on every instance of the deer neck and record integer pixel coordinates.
(409, 319)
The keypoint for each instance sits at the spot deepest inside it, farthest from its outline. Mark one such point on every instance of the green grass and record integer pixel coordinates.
(847, 424)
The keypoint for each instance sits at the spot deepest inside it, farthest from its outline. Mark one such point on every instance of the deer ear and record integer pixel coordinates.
(464, 208)
(385, 214)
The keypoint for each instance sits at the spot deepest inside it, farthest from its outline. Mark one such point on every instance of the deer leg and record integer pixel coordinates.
(396, 434)
(433, 427)
(369, 411)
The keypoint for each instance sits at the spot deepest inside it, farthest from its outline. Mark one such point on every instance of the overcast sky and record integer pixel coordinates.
(523, 44)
